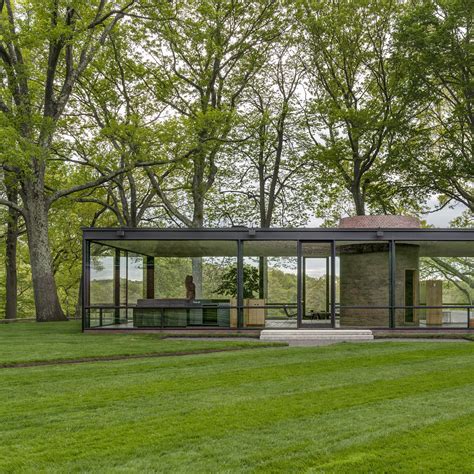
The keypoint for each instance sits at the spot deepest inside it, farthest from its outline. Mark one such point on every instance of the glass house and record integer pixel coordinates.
(242, 279)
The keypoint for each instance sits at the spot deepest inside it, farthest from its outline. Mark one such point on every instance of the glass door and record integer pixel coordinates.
(316, 285)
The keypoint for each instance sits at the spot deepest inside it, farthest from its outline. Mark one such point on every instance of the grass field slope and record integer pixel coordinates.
(380, 407)
(23, 343)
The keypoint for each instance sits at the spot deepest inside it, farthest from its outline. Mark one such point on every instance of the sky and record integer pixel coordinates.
(440, 218)
(443, 217)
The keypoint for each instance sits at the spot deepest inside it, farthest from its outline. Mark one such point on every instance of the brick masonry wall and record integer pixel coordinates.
(383, 221)
(364, 281)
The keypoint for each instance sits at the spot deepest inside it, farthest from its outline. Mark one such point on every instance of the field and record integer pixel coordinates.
(383, 407)
(24, 343)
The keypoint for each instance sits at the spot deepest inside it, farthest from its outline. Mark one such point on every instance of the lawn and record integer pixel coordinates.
(32, 342)
(383, 407)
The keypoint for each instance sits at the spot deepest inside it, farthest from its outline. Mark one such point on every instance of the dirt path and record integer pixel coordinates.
(83, 360)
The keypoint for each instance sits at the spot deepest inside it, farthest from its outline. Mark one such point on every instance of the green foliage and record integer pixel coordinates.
(435, 41)
(358, 109)
(255, 112)
(228, 285)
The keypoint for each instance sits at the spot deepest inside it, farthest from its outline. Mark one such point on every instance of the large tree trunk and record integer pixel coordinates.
(198, 223)
(78, 311)
(359, 201)
(265, 222)
(197, 275)
(10, 258)
(47, 303)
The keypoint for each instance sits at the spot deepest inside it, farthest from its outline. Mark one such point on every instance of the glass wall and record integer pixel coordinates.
(363, 284)
(434, 284)
(136, 277)
(201, 275)
(163, 283)
(104, 292)
(195, 283)
(270, 284)
(316, 284)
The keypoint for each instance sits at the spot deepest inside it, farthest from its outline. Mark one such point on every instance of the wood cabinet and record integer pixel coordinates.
(434, 297)
(253, 317)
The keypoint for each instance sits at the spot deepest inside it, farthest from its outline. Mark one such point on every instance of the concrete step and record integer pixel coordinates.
(316, 334)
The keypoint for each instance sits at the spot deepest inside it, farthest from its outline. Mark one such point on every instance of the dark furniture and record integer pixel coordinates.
(176, 312)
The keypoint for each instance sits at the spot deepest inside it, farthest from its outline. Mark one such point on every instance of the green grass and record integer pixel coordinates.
(386, 407)
(33, 342)
(421, 335)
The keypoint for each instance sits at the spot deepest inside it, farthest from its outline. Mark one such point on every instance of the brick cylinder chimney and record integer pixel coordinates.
(377, 222)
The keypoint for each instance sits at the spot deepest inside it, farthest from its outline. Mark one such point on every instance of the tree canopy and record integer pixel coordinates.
(205, 113)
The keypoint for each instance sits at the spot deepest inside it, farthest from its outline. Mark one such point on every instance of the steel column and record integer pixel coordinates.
(392, 282)
(327, 284)
(85, 281)
(126, 283)
(299, 288)
(240, 283)
(117, 286)
(333, 284)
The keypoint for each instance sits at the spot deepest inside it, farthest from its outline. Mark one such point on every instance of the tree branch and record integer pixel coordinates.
(171, 208)
(103, 179)
(12, 205)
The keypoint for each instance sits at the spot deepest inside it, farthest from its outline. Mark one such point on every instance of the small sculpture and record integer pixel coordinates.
(190, 288)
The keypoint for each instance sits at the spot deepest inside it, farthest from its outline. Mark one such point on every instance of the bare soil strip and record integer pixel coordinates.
(82, 360)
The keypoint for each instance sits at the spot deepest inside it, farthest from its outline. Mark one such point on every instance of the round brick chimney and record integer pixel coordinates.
(364, 274)
(382, 221)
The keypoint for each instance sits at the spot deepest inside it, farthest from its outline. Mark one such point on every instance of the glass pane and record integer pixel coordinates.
(316, 269)
(135, 277)
(123, 278)
(180, 283)
(434, 284)
(101, 275)
(105, 289)
(270, 284)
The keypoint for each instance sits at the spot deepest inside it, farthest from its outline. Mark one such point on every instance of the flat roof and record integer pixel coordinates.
(276, 242)
(304, 233)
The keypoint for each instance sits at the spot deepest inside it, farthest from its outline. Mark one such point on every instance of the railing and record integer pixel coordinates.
(111, 319)
(468, 308)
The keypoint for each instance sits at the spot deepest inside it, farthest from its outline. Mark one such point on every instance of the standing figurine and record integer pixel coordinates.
(190, 288)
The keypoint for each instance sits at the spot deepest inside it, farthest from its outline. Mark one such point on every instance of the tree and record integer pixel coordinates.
(120, 129)
(203, 55)
(435, 40)
(203, 59)
(264, 183)
(459, 271)
(228, 285)
(44, 50)
(269, 177)
(356, 108)
(11, 242)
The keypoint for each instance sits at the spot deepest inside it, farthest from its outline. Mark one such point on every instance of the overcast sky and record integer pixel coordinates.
(443, 217)
(440, 218)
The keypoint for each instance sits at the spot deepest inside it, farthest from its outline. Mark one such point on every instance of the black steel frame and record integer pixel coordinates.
(300, 236)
